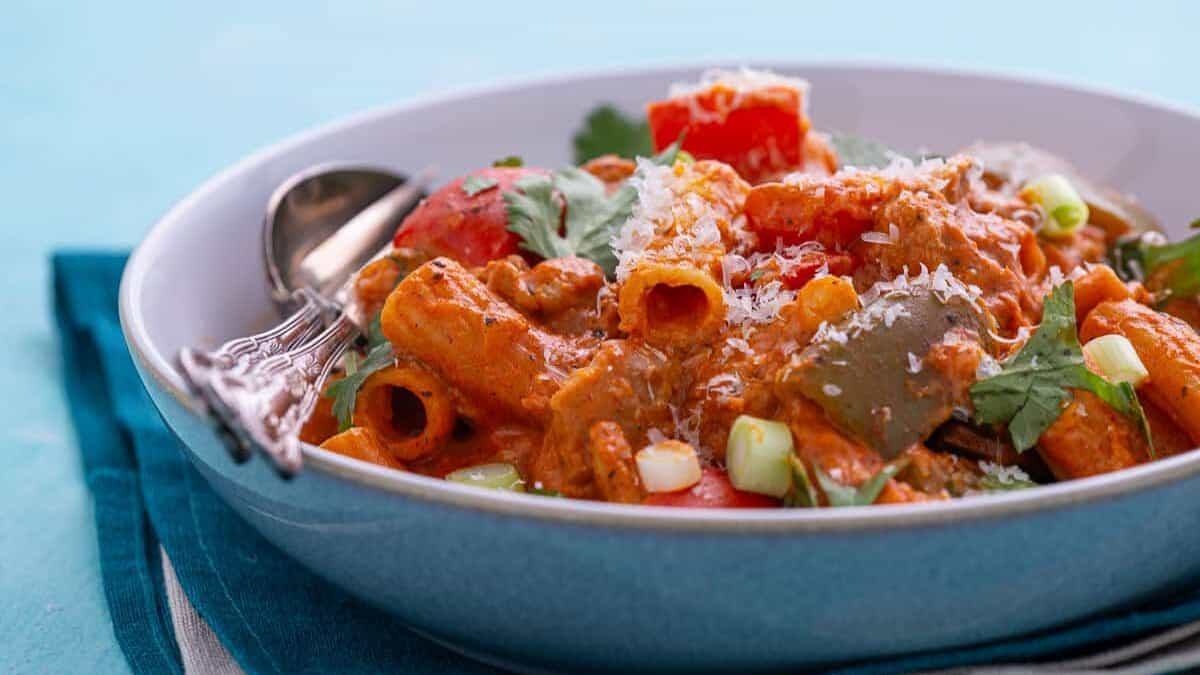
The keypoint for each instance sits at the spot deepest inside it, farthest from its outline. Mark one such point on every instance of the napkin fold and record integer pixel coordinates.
(272, 615)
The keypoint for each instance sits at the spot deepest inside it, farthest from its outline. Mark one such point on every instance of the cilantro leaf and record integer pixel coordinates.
(1138, 257)
(591, 215)
(344, 392)
(865, 153)
(473, 185)
(380, 355)
(607, 131)
(1033, 387)
(511, 160)
(863, 495)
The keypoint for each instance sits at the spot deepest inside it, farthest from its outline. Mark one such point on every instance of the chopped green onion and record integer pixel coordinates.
(668, 466)
(803, 494)
(757, 456)
(865, 494)
(494, 476)
(1117, 360)
(1064, 208)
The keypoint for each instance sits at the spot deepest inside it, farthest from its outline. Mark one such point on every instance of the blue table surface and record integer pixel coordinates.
(111, 112)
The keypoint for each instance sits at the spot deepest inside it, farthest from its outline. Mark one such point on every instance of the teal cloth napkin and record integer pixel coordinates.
(271, 614)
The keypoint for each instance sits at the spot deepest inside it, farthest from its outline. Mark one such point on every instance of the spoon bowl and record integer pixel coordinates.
(306, 210)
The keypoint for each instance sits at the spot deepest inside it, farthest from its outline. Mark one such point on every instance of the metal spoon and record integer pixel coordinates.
(324, 223)
(321, 226)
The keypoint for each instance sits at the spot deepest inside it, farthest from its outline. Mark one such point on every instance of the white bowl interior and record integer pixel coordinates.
(198, 278)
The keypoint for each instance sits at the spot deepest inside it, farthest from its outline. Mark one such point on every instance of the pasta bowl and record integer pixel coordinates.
(558, 584)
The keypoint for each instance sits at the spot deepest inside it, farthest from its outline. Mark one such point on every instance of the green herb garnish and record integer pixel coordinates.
(1033, 387)
(473, 185)
(592, 216)
(606, 131)
(1138, 257)
(344, 392)
(511, 160)
(802, 495)
(863, 495)
(864, 153)
(756, 275)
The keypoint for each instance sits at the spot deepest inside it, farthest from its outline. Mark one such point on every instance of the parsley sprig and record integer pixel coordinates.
(1033, 387)
(344, 392)
(607, 131)
(588, 216)
(1138, 257)
(866, 153)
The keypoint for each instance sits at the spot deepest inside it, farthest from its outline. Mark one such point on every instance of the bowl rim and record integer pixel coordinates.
(432, 490)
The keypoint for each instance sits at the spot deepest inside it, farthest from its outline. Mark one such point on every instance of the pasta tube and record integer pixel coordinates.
(407, 408)
(447, 319)
(670, 252)
(362, 444)
(1168, 347)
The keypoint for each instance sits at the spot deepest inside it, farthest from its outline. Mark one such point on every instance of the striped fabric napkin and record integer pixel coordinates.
(192, 588)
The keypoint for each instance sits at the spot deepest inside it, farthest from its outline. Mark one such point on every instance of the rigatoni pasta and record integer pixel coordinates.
(829, 323)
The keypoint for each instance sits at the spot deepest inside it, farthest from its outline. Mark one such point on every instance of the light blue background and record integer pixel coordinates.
(110, 112)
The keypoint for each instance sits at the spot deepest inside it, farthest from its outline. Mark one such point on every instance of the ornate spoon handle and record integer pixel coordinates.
(213, 374)
(266, 406)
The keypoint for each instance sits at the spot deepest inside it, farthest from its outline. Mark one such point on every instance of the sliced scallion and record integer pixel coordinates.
(668, 466)
(1117, 360)
(494, 476)
(757, 456)
(1065, 209)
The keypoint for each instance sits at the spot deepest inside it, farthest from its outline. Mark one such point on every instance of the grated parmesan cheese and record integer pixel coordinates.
(724, 385)
(741, 80)
(1006, 475)
(873, 237)
(686, 427)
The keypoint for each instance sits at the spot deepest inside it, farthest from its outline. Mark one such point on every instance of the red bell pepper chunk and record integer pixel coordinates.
(759, 132)
(714, 491)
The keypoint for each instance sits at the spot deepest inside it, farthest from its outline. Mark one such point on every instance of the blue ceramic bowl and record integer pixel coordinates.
(573, 585)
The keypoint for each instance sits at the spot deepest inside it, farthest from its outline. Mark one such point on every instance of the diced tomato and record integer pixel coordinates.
(759, 132)
(809, 263)
(472, 229)
(713, 491)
